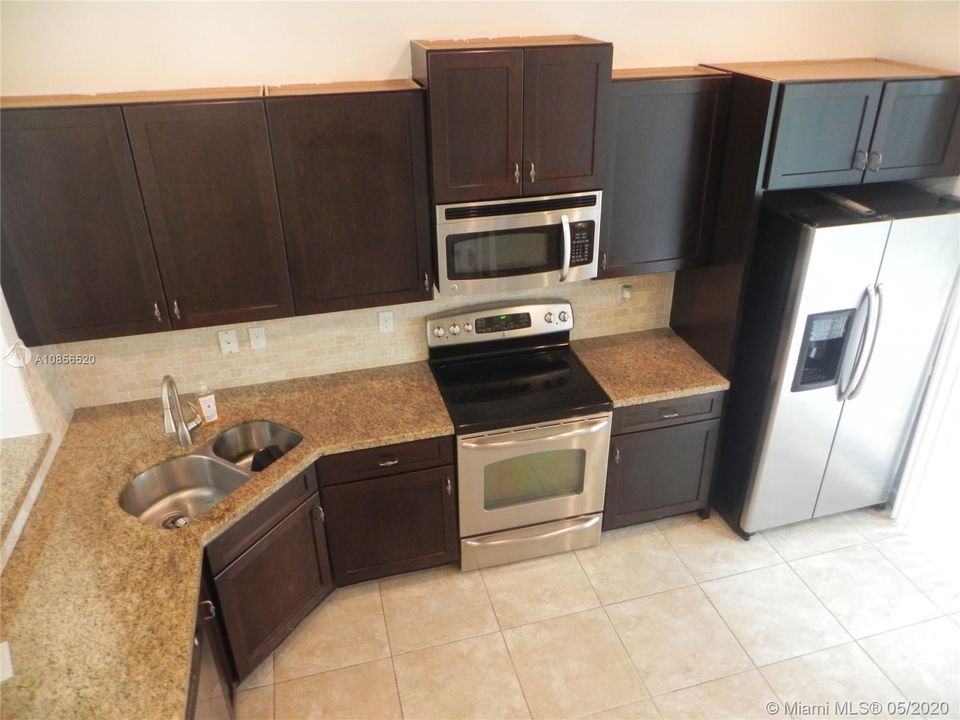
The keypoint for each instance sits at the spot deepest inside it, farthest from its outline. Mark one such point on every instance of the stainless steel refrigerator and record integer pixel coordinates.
(845, 305)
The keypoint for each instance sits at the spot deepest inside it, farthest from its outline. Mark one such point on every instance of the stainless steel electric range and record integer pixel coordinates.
(532, 426)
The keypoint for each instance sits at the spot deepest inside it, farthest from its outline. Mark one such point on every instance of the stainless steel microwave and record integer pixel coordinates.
(517, 244)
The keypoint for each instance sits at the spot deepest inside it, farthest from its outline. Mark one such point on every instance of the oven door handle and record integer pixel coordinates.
(565, 270)
(489, 443)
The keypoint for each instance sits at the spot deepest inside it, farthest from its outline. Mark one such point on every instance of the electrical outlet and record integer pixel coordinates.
(624, 292)
(386, 321)
(228, 342)
(258, 338)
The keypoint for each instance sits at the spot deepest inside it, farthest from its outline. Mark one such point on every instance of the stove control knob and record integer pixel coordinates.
(468, 327)
(563, 316)
(439, 332)
(454, 329)
(548, 318)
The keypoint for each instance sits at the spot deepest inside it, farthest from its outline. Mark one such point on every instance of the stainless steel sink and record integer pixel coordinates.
(255, 445)
(171, 494)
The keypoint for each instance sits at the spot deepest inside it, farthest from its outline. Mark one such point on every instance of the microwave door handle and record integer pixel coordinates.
(495, 441)
(855, 390)
(565, 270)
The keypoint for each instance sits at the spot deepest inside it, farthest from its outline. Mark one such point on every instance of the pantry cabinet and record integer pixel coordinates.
(352, 181)
(77, 260)
(512, 118)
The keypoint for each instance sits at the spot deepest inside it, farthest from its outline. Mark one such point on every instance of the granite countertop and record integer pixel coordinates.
(647, 366)
(20, 458)
(99, 608)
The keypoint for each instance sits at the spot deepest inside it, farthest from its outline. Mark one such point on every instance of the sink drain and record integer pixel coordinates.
(174, 521)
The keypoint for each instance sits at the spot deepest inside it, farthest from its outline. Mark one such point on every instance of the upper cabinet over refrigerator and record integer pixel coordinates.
(514, 116)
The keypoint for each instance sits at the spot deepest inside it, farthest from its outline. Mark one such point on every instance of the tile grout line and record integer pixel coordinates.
(904, 575)
(393, 664)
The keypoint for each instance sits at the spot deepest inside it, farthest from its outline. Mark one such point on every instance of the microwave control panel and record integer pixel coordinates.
(498, 322)
(581, 242)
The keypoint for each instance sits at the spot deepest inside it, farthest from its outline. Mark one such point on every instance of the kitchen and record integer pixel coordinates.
(346, 386)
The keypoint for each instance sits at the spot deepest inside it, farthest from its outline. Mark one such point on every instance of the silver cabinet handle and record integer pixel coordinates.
(874, 161)
(567, 249)
(603, 260)
(176, 310)
(668, 413)
(516, 173)
(321, 513)
(616, 455)
(449, 487)
(878, 294)
(533, 172)
(156, 312)
(211, 609)
(388, 461)
(860, 160)
(426, 282)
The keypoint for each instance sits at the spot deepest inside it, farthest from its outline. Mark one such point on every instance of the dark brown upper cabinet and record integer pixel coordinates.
(352, 180)
(664, 151)
(77, 258)
(516, 117)
(207, 183)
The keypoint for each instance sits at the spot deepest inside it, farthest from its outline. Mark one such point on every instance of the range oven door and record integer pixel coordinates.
(532, 474)
(519, 244)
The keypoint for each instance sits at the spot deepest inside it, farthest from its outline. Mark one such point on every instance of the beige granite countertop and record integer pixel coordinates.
(99, 608)
(648, 366)
(20, 458)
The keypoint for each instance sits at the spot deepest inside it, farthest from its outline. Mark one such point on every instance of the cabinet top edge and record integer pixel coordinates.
(13, 102)
(679, 71)
(517, 41)
(836, 69)
(337, 88)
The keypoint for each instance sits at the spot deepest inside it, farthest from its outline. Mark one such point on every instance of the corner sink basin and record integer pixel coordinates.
(255, 445)
(171, 494)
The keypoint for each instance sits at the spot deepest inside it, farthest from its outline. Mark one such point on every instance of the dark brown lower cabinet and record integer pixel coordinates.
(211, 693)
(663, 470)
(270, 588)
(388, 525)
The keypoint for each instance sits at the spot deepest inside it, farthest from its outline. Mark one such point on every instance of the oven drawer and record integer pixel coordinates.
(667, 412)
(387, 460)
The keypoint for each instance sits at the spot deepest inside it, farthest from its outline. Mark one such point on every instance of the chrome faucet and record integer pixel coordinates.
(173, 421)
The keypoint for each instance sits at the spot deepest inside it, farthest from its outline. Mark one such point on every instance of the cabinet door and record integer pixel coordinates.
(823, 133)
(657, 473)
(918, 131)
(566, 91)
(476, 101)
(352, 179)
(77, 259)
(208, 187)
(389, 525)
(211, 693)
(267, 591)
(662, 173)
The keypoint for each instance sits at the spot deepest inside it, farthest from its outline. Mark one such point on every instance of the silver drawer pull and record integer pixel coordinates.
(449, 487)
(211, 609)
(668, 413)
(388, 460)
(156, 312)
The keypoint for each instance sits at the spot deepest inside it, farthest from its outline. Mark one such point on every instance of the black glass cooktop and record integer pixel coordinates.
(517, 388)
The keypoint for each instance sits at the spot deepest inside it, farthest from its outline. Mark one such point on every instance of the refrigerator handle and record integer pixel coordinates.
(856, 347)
(878, 294)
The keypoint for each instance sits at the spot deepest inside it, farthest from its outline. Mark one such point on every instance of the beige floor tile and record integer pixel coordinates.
(739, 696)
(873, 523)
(467, 679)
(435, 607)
(633, 562)
(811, 537)
(922, 660)
(710, 549)
(835, 676)
(255, 704)
(773, 614)
(539, 589)
(263, 675)
(643, 710)
(932, 567)
(354, 693)
(863, 590)
(347, 629)
(573, 665)
(676, 639)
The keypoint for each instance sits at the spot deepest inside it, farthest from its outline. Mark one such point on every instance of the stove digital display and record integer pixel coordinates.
(502, 323)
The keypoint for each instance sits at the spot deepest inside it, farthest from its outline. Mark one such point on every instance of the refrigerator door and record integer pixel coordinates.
(916, 278)
(834, 267)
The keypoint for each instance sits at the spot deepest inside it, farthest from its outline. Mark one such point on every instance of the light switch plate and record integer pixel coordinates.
(624, 292)
(386, 321)
(228, 342)
(258, 338)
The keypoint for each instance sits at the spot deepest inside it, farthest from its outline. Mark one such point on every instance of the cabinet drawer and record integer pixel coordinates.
(234, 541)
(667, 412)
(387, 460)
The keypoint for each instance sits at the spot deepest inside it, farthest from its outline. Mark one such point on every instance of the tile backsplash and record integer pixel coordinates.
(131, 368)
